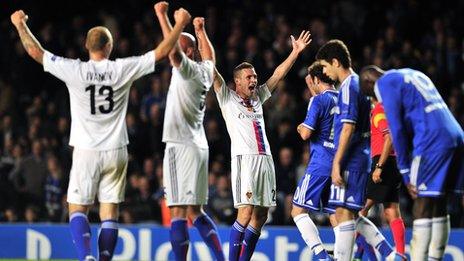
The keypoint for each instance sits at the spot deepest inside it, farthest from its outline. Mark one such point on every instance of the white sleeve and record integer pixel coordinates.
(263, 93)
(223, 94)
(203, 71)
(137, 66)
(63, 68)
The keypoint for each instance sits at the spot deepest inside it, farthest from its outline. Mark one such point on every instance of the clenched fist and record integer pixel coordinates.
(18, 17)
(161, 7)
(199, 23)
(182, 16)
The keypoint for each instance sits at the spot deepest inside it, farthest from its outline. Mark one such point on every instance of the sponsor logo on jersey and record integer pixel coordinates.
(250, 116)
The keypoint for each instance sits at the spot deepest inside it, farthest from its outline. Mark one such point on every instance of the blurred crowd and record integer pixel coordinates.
(35, 157)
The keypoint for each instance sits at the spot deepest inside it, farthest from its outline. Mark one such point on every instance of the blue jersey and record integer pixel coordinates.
(419, 120)
(319, 119)
(354, 107)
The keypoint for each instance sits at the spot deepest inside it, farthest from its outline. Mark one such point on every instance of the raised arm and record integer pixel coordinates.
(282, 70)
(171, 35)
(218, 80)
(204, 44)
(30, 43)
(161, 10)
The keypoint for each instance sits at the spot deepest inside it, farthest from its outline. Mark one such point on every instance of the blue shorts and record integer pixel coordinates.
(436, 173)
(313, 193)
(352, 195)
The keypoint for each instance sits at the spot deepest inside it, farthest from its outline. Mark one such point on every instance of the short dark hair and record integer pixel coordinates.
(244, 65)
(317, 70)
(335, 49)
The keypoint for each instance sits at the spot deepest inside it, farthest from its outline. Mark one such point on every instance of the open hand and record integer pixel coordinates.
(182, 16)
(161, 7)
(18, 17)
(198, 23)
(412, 190)
(337, 179)
(303, 41)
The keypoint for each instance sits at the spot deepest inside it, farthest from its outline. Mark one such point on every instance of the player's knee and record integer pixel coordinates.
(297, 211)
(178, 212)
(391, 211)
(194, 211)
(422, 208)
(109, 211)
(244, 214)
(260, 214)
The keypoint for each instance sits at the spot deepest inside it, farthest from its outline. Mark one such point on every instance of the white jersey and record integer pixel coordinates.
(245, 122)
(185, 104)
(99, 93)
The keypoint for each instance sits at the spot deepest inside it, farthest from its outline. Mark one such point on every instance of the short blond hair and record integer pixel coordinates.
(97, 38)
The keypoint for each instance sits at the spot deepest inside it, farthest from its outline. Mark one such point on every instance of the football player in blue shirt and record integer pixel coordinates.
(351, 163)
(312, 193)
(429, 144)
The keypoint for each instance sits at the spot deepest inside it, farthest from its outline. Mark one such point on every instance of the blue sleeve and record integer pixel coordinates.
(389, 89)
(349, 104)
(312, 114)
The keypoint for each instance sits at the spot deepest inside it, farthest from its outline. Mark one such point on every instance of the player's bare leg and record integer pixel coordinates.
(109, 214)
(309, 232)
(178, 233)
(80, 230)
(207, 229)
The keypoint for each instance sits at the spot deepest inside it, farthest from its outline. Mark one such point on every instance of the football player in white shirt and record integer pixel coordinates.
(185, 164)
(252, 168)
(99, 91)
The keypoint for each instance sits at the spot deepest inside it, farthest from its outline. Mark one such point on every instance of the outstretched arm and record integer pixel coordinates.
(218, 80)
(171, 35)
(204, 45)
(161, 10)
(282, 70)
(30, 43)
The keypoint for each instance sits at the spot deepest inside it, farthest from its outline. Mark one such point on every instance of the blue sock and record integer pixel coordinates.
(235, 241)
(363, 246)
(360, 251)
(179, 238)
(208, 232)
(107, 239)
(384, 248)
(80, 232)
(249, 243)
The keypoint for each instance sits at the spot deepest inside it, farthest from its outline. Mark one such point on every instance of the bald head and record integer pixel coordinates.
(368, 76)
(188, 44)
(99, 39)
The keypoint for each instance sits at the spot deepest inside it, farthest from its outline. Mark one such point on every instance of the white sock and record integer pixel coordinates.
(421, 235)
(335, 229)
(439, 238)
(344, 241)
(309, 232)
(372, 234)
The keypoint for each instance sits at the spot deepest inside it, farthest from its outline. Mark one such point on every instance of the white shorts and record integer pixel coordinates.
(98, 171)
(253, 180)
(185, 175)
